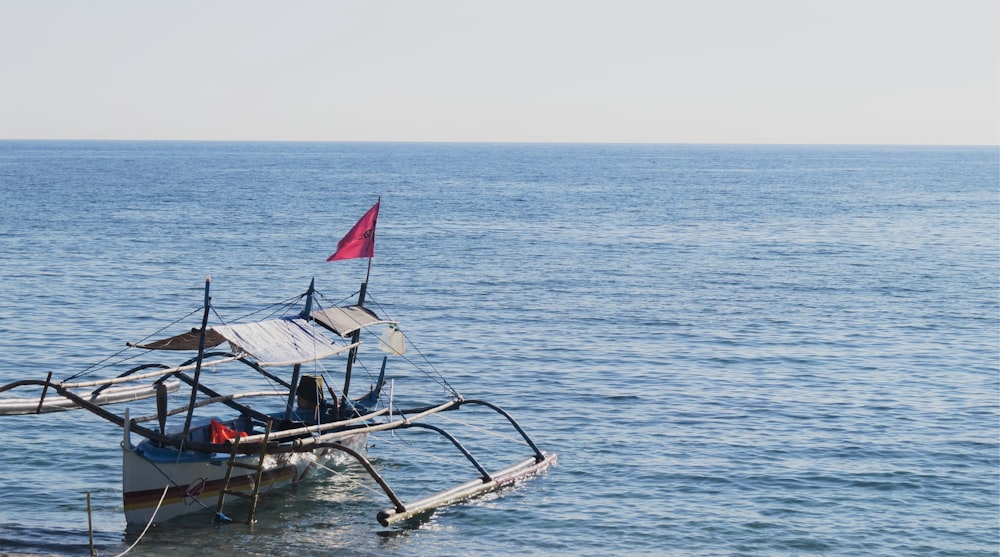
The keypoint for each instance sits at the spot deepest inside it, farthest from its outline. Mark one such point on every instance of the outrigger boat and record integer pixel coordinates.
(185, 458)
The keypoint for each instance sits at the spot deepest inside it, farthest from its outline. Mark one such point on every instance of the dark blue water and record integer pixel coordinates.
(734, 350)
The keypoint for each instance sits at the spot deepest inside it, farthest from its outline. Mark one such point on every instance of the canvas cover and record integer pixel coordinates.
(183, 341)
(278, 342)
(346, 320)
(283, 341)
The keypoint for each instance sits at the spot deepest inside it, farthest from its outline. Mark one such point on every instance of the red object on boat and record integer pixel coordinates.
(222, 433)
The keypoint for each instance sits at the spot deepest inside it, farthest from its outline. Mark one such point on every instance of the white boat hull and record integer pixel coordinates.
(193, 482)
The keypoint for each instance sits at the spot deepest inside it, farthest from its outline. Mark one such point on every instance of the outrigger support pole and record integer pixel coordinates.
(87, 405)
(201, 353)
(45, 389)
(539, 455)
(486, 475)
(130, 372)
(485, 483)
(368, 467)
(230, 403)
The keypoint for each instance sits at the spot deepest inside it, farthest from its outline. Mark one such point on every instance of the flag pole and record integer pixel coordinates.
(378, 202)
(359, 242)
(368, 273)
(355, 337)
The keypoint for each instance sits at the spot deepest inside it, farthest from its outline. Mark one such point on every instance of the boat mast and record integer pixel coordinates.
(355, 337)
(201, 355)
(297, 369)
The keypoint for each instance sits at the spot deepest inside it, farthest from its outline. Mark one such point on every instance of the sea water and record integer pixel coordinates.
(734, 350)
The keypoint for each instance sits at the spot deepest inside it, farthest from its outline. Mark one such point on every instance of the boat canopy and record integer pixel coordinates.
(278, 342)
(283, 341)
(274, 342)
(345, 320)
(183, 341)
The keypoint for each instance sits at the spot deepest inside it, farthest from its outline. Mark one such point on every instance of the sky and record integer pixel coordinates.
(636, 71)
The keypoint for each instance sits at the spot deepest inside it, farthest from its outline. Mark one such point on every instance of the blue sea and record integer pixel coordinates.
(734, 350)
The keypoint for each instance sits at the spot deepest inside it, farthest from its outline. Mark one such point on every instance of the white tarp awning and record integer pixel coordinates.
(280, 342)
(346, 320)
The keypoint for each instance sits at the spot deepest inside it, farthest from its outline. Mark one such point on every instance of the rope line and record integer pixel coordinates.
(439, 379)
(101, 364)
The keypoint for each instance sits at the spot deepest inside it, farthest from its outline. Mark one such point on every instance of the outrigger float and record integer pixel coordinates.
(260, 445)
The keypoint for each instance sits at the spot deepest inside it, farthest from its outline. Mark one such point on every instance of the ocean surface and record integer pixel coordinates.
(734, 350)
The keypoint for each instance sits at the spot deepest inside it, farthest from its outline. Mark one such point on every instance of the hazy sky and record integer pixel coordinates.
(670, 71)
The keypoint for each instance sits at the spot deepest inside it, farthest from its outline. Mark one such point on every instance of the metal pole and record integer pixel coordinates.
(45, 389)
(290, 404)
(90, 527)
(355, 337)
(304, 314)
(201, 354)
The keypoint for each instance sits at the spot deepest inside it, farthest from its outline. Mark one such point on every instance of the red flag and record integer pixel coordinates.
(360, 241)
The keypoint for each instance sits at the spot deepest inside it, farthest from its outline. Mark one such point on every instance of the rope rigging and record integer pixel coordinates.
(104, 363)
(436, 376)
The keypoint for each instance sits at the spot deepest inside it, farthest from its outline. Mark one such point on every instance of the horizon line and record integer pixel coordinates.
(504, 142)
